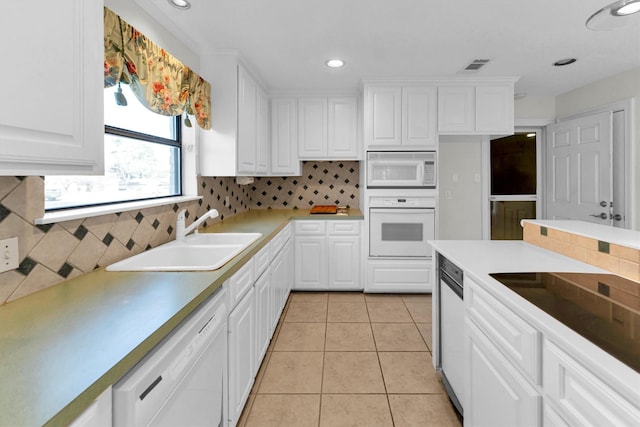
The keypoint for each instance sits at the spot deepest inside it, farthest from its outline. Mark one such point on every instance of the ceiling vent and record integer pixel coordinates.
(475, 65)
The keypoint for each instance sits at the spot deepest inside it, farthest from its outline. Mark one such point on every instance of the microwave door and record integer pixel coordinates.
(395, 173)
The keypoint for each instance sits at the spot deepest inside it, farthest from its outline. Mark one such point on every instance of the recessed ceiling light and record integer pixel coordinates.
(563, 62)
(625, 8)
(335, 63)
(180, 4)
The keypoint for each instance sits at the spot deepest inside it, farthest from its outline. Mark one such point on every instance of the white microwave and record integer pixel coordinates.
(401, 169)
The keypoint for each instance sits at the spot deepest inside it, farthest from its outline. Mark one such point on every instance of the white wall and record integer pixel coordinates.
(460, 160)
(136, 16)
(606, 91)
(537, 110)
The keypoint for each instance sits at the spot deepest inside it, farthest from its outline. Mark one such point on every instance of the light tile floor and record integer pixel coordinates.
(350, 359)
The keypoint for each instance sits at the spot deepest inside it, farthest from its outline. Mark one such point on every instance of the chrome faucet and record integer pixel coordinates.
(182, 231)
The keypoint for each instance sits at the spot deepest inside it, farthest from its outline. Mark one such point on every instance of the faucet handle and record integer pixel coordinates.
(182, 215)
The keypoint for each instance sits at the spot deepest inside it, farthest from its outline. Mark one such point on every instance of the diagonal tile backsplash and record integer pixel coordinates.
(52, 253)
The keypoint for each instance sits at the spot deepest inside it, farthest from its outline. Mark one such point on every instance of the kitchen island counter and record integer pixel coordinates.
(60, 348)
(478, 259)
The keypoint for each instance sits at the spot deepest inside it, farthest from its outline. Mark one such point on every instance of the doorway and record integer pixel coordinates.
(513, 164)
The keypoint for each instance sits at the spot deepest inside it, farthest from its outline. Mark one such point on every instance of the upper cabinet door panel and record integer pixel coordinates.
(343, 128)
(419, 109)
(383, 118)
(456, 109)
(284, 145)
(247, 104)
(262, 132)
(494, 109)
(312, 128)
(51, 117)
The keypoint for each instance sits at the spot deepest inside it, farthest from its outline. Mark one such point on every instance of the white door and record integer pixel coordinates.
(578, 169)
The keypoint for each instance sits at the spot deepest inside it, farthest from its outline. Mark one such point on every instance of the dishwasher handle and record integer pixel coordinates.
(452, 284)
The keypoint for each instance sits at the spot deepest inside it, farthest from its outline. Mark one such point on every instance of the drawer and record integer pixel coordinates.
(277, 243)
(511, 334)
(343, 228)
(310, 228)
(263, 259)
(241, 282)
(581, 398)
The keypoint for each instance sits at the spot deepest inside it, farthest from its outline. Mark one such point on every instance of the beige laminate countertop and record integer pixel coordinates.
(63, 346)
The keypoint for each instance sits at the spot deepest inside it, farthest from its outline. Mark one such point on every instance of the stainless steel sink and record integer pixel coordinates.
(200, 252)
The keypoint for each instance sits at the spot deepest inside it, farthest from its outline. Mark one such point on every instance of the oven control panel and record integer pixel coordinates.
(402, 202)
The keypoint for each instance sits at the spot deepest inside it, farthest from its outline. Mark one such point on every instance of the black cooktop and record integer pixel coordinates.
(603, 308)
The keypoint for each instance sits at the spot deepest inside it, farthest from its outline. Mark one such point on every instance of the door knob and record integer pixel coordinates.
(601, 216)
(603, 204)
(617, 217)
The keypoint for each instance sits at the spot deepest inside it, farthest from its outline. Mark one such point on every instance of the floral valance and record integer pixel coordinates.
(162, 83)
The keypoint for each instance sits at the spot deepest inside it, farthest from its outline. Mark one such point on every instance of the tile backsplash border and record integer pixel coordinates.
(621, 260)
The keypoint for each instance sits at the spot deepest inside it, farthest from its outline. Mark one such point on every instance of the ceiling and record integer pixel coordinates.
(287, 42)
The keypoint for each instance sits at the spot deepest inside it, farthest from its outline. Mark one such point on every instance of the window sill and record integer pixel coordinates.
(80, 213)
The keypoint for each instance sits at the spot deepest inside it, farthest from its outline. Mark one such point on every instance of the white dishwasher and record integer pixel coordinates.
(180, 382)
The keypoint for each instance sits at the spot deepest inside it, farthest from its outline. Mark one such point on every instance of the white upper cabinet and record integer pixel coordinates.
(327, 128)
(237, 143)
(400, 117)
(51, 117)
(284, 141)
(480, 108)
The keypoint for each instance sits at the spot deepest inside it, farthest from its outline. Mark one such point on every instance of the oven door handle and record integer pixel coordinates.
(452, 284)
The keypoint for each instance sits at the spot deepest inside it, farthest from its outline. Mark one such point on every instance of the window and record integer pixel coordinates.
(142, 161)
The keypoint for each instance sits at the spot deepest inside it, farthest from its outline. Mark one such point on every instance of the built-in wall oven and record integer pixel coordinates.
(399, 227)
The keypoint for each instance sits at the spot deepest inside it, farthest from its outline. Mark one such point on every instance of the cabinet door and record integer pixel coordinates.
(494, 109)
(310, 262)
(51, 117)
(344, 263)
(262, 132)
(263, 318)
(242, 354)
(284, 137)
(98, 414)
(343, 128)
(580, 397)
(277, 288)
(456, 107)
(383, 116)
(497, 395)
(419, 111)
(312, 128)
(247, 90)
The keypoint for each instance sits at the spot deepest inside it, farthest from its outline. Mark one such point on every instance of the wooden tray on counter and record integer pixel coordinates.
(324, 209)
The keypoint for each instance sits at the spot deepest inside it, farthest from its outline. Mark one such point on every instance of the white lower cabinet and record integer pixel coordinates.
(242, 354)
(500, 395)
(327, 255)
(263, 311)
(98, 414)
(579, 396)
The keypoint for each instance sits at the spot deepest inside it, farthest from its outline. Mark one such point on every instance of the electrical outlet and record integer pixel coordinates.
(447, 195)
(8, 254)
(476, 177)
(454, 177)
(226, 201)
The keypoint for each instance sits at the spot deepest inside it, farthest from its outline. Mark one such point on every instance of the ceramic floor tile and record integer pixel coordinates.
(306, 312)
(309, 296)
(347, 312)
(386, 312)
(425, 410)
(349, 337)
(346, 297)
(293, 372)
(352, 372)
(355, 410)
(260, 374)
(301, 337)
(383, 297)
(242, 421)
(427, 332)
(417, 298)
(409, 372)
(283, 410)
(398, 337)
(420, 311)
